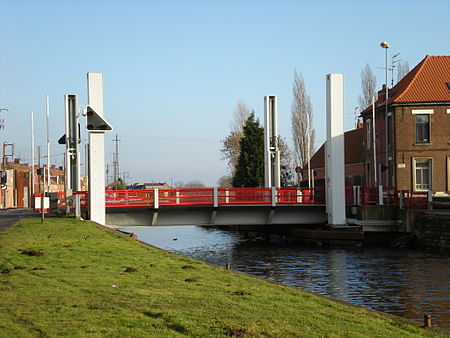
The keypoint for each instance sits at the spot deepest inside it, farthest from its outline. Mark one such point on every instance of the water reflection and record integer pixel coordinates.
(399, 281)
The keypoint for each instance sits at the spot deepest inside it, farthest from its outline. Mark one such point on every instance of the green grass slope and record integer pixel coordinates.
(68, 291)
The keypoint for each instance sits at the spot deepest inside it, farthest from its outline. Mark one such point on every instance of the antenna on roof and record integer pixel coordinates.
(393, 65)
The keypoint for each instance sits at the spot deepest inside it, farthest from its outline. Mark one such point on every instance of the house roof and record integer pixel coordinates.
(18, 166)
(426, 82)
(354, 149)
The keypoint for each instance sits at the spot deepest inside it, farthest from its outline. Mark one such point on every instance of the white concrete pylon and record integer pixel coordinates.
(334, 159)
(96, 152)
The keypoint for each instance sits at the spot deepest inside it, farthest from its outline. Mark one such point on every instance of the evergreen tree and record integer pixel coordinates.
(250, 166)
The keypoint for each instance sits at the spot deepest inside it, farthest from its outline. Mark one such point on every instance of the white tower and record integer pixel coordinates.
(96, 127)
(334, 160)
(271, 143)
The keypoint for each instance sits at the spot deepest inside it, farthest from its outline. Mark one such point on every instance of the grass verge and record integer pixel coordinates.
(92, 281)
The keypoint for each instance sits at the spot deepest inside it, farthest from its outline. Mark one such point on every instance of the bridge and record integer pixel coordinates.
(237, 206)
(269, 206)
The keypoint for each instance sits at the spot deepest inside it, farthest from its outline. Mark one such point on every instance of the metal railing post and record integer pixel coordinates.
(227, 196)
(216, 198)
(177, 195)
(380, 195)
(274, 196)
(402, 196)
(429, 200)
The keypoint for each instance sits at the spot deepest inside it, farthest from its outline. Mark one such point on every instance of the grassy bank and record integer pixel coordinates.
(68, 290)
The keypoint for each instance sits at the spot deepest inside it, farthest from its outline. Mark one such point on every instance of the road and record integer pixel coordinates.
(10, 216)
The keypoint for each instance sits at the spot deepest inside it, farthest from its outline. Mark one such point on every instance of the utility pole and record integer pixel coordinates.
(2, 126)
(48, 148)
(6, 155)
(116, 159)
(39, 166)
(32, 157)
(385, 45)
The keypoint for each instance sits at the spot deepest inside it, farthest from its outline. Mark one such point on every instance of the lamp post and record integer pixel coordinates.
(385, 45)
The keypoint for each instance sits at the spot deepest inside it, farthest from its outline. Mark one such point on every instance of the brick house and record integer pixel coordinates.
(18, 186)
(354, 160)
(418, 132)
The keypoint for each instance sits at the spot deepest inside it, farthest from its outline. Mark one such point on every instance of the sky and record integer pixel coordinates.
(173, 71)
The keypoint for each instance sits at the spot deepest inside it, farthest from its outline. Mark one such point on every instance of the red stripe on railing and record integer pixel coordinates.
(416, 200)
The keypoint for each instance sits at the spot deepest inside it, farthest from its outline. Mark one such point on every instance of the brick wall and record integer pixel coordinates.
(438, 149)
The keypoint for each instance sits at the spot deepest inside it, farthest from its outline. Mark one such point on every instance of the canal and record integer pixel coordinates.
(403, 282)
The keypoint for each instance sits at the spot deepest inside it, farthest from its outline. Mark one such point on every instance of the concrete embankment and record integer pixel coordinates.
(433, 229)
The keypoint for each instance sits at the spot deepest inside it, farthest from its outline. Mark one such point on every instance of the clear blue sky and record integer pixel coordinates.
(173, 70)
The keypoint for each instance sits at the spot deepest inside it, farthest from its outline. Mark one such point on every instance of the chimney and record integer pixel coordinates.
(382, 95)
(17, 161)
(53, 166)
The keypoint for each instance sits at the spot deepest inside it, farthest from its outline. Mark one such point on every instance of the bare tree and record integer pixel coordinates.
(230, 145)
(402, 70)
(286, 163)
(301, 111)
(368, 87)
(190, 184)
(194, 184)
(225, 181)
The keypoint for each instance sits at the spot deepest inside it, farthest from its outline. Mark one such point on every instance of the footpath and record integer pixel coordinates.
(9, 216)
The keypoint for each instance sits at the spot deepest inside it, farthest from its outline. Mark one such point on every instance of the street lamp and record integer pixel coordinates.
(385, 45)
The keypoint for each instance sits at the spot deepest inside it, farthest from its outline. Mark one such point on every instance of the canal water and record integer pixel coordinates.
(403, 282)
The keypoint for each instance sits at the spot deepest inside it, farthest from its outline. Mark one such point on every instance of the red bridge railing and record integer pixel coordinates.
(205, 196)
(255, 196)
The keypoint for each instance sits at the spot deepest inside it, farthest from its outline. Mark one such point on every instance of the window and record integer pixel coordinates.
(423, 128)
(368, 130)
(422, 124)
(422, 174)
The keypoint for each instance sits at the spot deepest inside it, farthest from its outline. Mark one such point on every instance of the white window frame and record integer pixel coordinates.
(414, 160)
(422, 111)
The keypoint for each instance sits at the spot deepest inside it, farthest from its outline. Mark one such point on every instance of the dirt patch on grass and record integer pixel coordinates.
(31, 252)
(19, 268)
(4, 271)
(39, 268)
(128, 269)
(190, 280)
(188, 267)
(242, 293)
(84, 266)
(67, 246)
(237, 332)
